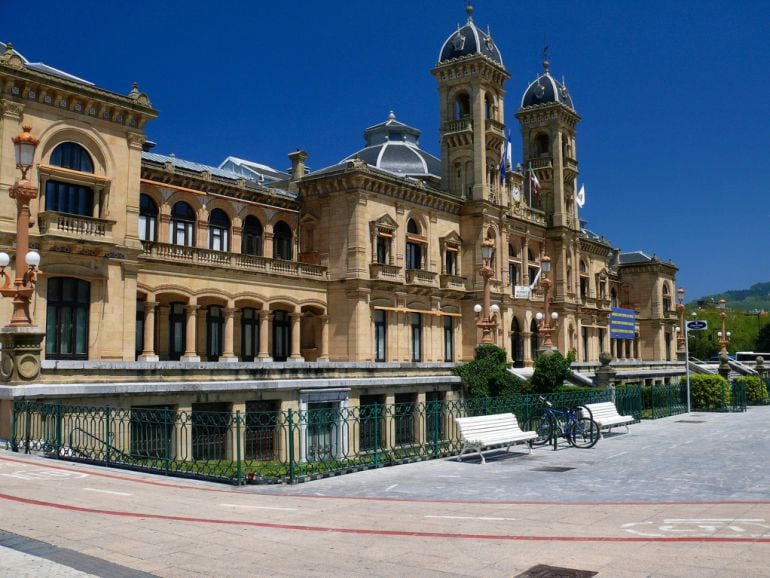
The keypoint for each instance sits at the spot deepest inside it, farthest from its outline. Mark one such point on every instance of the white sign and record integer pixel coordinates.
(521, 292)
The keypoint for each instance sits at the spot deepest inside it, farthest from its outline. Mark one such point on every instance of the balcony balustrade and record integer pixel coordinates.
(238, 261)
(452, 282)
(383, 272)
(74, 226)
(421, 277)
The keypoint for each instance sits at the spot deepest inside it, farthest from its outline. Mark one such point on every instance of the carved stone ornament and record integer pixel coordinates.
(12, 58)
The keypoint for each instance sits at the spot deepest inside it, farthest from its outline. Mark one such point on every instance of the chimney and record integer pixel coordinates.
(298, 159)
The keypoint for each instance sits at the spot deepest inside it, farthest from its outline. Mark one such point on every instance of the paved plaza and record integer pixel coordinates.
(682, 496)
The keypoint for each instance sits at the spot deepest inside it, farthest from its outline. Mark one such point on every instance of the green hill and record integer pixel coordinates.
(755, 298)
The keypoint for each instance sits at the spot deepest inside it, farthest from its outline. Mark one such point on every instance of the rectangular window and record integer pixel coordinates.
(405, 418)
(532, 274)
(413, 256)
(372, 422)
(513, 273)
(383, 246)
(449, 339)
(451, 262)
(380, 335)
(146, 228)
(435, 416)
(416, 323)
(601, 340)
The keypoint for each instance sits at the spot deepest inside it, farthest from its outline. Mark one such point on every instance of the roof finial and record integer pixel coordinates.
(469, 9)
(392, 115)
(546, 64)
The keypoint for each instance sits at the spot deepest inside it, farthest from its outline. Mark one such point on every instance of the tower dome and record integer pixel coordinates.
(394, 147)
(546, 89)
(468, 41)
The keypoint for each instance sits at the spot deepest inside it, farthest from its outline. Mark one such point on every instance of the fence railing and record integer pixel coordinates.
(295, 445)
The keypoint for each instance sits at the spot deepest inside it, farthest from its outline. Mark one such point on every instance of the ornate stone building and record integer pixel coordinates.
(153, 265)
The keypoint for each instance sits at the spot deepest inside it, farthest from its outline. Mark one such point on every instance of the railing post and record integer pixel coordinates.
(238, 468)
(107, 432)
(167, 437)
(14, 424)
(291, 445)
(376, 411)
(58, 428)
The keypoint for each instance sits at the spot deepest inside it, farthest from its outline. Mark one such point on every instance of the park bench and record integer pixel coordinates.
(489, 431)
(606, 415)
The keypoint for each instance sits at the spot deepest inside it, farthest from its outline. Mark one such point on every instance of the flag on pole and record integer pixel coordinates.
(533, 180)
(508, 152)
(581, 197)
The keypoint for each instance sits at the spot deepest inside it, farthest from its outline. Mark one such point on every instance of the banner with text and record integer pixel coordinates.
(622, 323)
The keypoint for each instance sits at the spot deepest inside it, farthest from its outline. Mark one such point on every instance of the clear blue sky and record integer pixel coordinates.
(674, 146)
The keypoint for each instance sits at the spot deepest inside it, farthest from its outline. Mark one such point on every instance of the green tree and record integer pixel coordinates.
(763, 340)
(551, 371)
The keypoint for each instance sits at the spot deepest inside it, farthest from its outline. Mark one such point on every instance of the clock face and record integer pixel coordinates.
(516, 193)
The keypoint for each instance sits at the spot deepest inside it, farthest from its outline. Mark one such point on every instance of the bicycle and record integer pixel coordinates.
(580, 431)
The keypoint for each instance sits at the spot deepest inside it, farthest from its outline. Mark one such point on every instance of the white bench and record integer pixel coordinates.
(487, 431)
(606, 415)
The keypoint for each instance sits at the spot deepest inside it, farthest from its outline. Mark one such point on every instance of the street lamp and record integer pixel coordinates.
(21, 338)
(724, 336)
(487, 321)
(23, 191)
(544, 320)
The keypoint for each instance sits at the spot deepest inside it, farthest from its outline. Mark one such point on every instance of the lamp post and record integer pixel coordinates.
(21, 338)
(544, 320)
(724, 336)
(681, 346)
(487, 321)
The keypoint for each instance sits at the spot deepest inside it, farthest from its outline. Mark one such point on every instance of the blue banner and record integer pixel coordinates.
(622, 323)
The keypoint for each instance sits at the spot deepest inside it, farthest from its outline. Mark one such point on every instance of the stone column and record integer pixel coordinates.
(190, 353)
(605, 375)
(296, 318)
(724, 368)
(148, 353)
(324, 338)
(527, 353)
(228, 355)
(264, 335)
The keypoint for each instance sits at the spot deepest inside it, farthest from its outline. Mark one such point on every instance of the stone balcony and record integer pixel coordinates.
(383, 272)
(77, 227)
(421, 277)
(237, 261)
(459, 125)
(452, 282)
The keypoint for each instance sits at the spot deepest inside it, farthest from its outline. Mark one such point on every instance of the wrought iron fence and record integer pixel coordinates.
(265, 445)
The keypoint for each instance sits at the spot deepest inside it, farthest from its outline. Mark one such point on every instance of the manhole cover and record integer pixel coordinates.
(543, 571)
(689, 421)
(552, 469)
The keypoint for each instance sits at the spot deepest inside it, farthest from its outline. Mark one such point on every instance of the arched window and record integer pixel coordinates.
(487, 107)
(215, 322)
(413, 246)
(249, 334)
(66, 334)
(251, 238)
(219, 231)
(281, 335)
(542, 145)
(182, 229)
(517, 344)
(666, 299)
(533, 339)
(584, 280)
(462, 106)
(176, 330)
(63, 197)
(282, 239)
(70, 155)
(148, 218)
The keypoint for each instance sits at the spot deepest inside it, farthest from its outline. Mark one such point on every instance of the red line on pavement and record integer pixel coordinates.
(376, 498)
(363, 531)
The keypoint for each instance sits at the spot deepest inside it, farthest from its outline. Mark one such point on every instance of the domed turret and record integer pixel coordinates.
(546, 89)
(394, 147)
(469, 41)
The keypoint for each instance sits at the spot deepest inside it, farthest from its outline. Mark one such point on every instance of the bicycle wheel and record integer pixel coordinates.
(543, 426)
(583, 433)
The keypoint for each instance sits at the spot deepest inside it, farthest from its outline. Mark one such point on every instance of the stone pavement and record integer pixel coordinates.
(682, 496)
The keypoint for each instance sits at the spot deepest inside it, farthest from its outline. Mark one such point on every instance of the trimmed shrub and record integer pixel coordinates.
(487, 375)
(756, 389)
(709, 391)
(550, 372)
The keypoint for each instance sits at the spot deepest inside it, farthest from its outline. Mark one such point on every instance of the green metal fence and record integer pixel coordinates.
(265, 445)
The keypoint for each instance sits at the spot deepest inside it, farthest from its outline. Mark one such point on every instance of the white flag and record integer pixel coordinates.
(537, 278)
(581, 196)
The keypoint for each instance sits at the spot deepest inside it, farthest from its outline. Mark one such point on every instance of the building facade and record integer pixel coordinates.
(220, 273)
